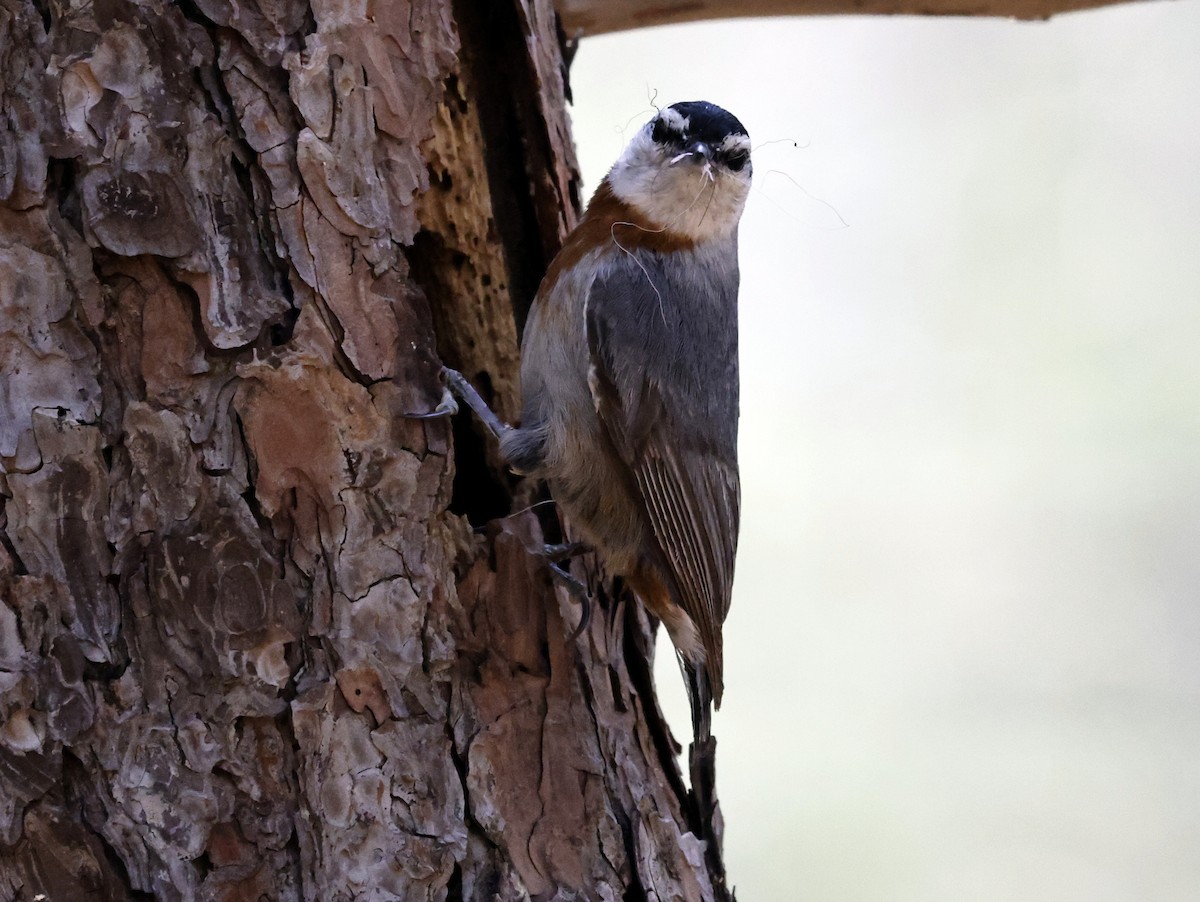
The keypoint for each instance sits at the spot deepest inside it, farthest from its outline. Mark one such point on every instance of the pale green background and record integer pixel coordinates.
(963, 661)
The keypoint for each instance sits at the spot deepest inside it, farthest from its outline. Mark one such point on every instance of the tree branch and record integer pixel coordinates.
(591, 17)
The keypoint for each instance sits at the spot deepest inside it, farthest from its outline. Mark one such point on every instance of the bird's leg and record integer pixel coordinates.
(457, 383)
(458, 386)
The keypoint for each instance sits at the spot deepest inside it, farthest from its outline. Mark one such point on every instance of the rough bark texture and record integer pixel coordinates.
(262, 635)
(588, 17)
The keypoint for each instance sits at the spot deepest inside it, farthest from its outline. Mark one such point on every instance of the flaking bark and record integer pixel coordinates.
(262, 633)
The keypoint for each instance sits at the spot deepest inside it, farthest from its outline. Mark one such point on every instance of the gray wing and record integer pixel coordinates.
(662, 343)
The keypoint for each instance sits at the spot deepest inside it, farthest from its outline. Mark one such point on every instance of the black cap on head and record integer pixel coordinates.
(708, 122)
(685, 124)
(705, 122)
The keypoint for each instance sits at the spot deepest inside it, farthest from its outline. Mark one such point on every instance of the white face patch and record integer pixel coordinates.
(678, 192)
(734, 143)
(674, 120)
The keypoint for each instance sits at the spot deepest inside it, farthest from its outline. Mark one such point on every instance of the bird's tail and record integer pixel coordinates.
(702, 764)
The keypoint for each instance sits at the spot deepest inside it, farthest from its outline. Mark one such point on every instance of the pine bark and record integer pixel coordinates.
(264, 634)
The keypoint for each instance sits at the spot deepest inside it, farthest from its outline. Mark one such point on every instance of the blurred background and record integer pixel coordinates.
(963, 660)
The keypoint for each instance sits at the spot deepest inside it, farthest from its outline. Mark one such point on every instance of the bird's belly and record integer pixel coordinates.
(593, 495)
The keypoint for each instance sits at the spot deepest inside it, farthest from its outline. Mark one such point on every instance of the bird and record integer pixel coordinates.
(629, 378)
(629, 383)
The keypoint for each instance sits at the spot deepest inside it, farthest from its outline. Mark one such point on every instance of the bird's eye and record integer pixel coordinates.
(737, 161)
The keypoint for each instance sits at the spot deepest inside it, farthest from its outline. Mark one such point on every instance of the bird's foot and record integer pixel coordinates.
(553, 555)
(564, 551)
(447, 407)
(457, 386)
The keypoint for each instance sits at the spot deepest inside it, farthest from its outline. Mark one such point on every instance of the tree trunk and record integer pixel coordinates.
(264, 633)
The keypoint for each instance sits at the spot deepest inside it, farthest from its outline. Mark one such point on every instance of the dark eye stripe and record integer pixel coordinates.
(662, 134)
(666, 136)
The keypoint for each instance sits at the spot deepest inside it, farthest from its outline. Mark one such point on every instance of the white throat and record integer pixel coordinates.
(700, 201)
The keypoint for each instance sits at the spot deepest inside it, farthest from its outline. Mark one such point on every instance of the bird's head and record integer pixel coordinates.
(687, 170)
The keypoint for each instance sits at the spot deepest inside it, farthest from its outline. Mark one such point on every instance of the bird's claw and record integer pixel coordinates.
(575, 588)
(447, 407)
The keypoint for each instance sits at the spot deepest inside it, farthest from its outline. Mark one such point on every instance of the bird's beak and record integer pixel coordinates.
(696, 152)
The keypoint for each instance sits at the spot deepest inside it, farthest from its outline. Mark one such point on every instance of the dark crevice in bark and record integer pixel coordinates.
(62, 184)
(280, 333)
(496, 60)
(242, 161)
(477, 494)
(44, 10)
(204, 865)
(291, 848)
(638, 658)
(309, 26)
(340, 357)
(546, 511)
(481, 491)
(255, 509)
(258, 198)
(256, 187)
(78, 793)
(275, 547)
(459, 759)
(454, 888)
(106, 671)
(568, 46)
(428, 257)
(119, 384)
(223, 361)
(19, 568)
(635, 891)
(614, 680)
(208, 77)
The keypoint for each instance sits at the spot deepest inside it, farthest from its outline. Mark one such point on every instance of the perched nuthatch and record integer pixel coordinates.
(629, 374)
(629, 378)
